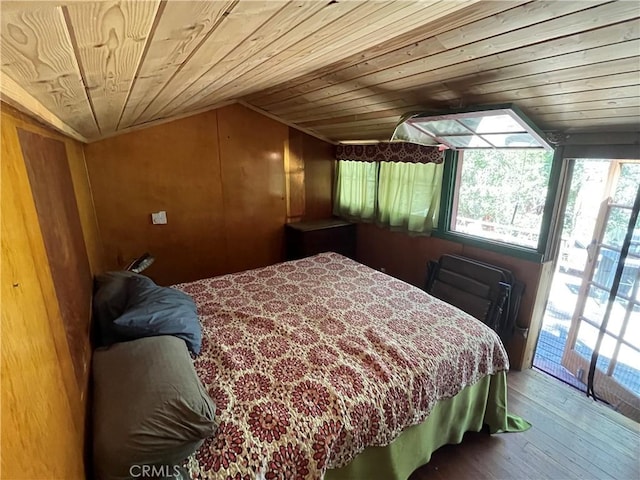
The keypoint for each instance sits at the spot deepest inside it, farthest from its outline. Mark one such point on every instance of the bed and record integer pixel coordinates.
(325, 368)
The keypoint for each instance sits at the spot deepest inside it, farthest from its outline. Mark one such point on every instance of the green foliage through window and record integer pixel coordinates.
(501, 194)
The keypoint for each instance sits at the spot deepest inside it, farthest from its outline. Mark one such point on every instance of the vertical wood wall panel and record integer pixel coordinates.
(172, 167)
(253, 180)
(43, 404)
(57, 208)
(40, 437)
(294, 165)
(319, 163)
(86, 210)
(221, 178)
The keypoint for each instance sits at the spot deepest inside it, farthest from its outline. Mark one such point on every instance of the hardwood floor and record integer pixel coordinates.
(572, 437)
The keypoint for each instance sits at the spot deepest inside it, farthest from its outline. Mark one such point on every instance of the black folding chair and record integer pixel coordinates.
(487, 292)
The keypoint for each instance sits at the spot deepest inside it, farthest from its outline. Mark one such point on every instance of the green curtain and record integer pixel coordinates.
(355, 193)
(409, 195)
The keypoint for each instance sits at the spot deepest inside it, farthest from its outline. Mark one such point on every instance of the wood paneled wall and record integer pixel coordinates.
(406, 257)
(172, 167)
(319, 168)
(252, 149)
(222, 180)
(43, 400)
(59, 221)
(309, 170)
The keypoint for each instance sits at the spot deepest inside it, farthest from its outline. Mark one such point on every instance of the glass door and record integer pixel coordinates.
(617, 374)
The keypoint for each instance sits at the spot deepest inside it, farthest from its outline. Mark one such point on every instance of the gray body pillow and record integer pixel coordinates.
(149, 407)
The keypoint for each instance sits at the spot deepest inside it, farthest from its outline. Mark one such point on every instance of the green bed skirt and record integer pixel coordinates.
(484, 403)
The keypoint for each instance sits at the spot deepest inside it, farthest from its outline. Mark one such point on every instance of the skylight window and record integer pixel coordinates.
(502, 126)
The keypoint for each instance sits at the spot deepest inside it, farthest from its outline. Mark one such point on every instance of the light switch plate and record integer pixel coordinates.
(159, 218)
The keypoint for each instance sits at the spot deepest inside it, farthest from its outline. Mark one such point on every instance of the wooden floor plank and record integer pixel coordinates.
(560, 444)
(571, 437)
(611, 427)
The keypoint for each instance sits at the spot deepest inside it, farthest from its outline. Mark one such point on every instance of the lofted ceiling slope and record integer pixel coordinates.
(340, 70)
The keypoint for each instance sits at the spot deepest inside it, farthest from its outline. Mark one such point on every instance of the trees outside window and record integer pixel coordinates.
(500, 194)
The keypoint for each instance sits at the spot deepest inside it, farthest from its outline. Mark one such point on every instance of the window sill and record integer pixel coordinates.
(498, 247)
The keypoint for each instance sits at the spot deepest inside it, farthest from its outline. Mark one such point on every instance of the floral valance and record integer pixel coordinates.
(390, 152)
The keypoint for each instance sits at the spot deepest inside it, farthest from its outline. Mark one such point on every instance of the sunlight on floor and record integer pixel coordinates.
(555, 328)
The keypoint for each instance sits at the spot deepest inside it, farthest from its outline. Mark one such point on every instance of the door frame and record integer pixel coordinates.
(609, 389)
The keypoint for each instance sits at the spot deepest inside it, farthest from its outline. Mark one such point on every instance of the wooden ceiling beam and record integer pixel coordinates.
(15, 95)
(37, 53)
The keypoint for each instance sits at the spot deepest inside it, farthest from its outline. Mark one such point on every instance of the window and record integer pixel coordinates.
(496, 199)
(492, 127)
(500, 195)
(501, 200)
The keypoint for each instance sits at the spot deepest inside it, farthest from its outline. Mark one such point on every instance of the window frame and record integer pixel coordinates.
(448, 200)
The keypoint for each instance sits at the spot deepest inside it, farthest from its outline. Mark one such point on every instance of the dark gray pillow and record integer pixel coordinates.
(109, 302)
(149, 406)
(152, 310)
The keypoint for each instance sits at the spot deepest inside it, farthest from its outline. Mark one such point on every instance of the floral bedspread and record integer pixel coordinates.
(311, 361)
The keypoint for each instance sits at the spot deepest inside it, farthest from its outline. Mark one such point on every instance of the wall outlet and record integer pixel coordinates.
(159, 218)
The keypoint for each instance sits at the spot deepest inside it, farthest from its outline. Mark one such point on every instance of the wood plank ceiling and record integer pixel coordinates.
(340, 69)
